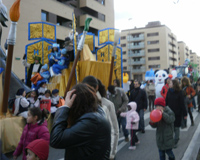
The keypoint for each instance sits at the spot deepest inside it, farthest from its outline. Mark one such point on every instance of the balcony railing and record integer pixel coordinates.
(140, 54)
(140, 38)
(136, 46)
(138, 70)
(132, 62)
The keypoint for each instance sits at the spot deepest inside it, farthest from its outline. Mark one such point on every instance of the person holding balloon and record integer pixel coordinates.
(162, 118)
(175, 101)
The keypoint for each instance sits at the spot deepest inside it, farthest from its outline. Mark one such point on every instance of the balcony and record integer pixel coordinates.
(140, 54)
(141, 45)
(140, 38)
(95, 23)
(94, 5)
(138, 70)
(132, 62)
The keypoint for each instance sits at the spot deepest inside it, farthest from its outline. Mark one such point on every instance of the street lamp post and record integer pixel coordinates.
(129, 50)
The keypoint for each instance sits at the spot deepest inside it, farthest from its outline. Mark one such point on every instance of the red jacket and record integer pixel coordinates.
(164, 91)
(30, 133)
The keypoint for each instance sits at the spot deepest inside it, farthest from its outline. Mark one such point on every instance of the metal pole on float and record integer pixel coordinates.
(79, 48)
(14, 16)
(117, 36)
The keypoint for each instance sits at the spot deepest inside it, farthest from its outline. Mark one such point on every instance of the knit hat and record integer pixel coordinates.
(63, 51)
(45, 67)
(55, 91)
(55, 45)
(40, 147)
(20, 91)
(160, 102)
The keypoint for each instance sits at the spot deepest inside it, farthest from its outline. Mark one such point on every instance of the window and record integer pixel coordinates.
(172, 59)
(153, 58)
(124, 52)
(123, 37)
(152, 42)
(63, 22)
(124, 68)
(152, 34)
(191, 56)
(154, 50)
(101, 1)
(124, 60)
(123, 45)
(44, 16)
(154, 66)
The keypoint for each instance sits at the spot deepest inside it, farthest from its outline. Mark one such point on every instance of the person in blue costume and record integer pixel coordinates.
(54, 55)
(62, 64)
(45, 75)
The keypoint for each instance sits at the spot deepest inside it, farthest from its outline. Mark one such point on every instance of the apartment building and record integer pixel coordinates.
(58, 12)
(151, 47)
(194, 58)
(183, 52)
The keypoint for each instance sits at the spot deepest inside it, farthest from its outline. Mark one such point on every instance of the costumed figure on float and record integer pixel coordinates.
(33, 68)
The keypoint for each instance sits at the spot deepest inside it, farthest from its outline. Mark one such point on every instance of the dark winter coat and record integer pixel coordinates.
(88, 139)
(165, 130)
(139, 96)
(175, 101)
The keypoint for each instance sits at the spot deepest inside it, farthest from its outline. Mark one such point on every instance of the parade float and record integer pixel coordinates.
(107, 66)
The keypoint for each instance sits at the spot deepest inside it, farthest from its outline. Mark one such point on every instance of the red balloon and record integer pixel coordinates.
(156, 115)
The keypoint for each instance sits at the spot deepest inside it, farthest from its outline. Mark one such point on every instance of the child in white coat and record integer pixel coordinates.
(132, 122)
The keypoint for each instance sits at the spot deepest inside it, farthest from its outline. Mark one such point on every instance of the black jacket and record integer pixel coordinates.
(175, 101)
(88, 139)
(139, 96)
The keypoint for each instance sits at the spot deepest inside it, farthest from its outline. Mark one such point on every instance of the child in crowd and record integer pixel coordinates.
(21, 103)
(42, 89)
(36, 128)
(33, 99)
(165, 129)
(43, 76)
(62, 63)
(55, 97)
(132, 119)
(37, 150)
(48, 95)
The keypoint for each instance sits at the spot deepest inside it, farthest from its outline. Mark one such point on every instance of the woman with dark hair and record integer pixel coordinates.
(101, 94)
(188, 93)
(79, 128)
(165, 88)
(175, 101)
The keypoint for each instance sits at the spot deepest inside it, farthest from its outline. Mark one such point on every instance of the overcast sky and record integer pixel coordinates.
(183, 18)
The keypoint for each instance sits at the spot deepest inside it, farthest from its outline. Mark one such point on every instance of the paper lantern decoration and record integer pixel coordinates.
(156, 115)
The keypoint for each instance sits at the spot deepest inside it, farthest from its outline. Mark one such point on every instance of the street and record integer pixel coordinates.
(188, 146)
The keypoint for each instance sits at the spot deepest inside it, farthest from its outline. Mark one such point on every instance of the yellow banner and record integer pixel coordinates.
(104, 54)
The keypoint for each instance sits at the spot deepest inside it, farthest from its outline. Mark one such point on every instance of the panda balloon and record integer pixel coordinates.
(160, 76)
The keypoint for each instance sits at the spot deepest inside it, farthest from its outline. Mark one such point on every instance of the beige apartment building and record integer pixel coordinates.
(183, 52)
(58, 12)
(194, 58)
(153, 46)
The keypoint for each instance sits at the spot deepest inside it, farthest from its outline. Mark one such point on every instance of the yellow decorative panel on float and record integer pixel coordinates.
(104, 54)
(41, 30)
